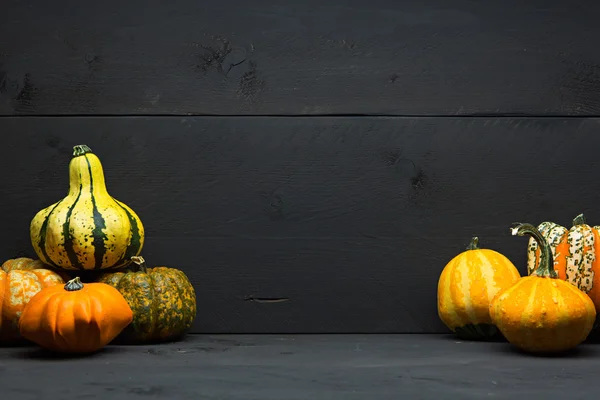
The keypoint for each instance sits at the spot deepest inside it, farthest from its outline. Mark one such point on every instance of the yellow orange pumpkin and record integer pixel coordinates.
(467, 285)
(20, 279)
(75, 318)
(576, 253)
(541, 313)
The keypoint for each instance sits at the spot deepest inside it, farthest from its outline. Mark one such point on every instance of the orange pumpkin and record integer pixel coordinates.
(75, 318)
(29, 264)
(466, 287)
(576, 253)
(541, 313)
(20, 279)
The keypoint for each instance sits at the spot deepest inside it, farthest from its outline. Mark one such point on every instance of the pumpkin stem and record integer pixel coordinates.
(546, 266)
(140, 263)
(474, 243)
(80, 150)
(73, 285)
(579, 220)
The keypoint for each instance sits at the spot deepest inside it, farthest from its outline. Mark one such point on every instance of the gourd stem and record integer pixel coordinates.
(140, 263)
(474, 243)
(546, 266)
(74, 285)
(80, 150)
(579, 220)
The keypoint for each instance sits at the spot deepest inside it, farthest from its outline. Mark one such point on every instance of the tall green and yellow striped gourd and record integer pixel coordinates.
(88, 229)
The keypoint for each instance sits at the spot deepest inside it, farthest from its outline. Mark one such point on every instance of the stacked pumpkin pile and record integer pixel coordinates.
(46, 302)
(481, 294)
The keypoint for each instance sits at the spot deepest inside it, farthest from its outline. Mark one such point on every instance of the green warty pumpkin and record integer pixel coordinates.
(162, 299)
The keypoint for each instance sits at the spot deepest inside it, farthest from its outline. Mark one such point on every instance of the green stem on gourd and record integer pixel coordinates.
(579, 220)
(545, 267)
(74, 285)
(140, 263)
(474, 243)
(80, 150)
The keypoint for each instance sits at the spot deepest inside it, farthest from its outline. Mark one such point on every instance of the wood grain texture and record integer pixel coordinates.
(270, 57)
(300, 367)
(317, 224)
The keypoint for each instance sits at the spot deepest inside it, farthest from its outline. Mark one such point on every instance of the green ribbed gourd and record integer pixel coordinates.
(162, 299)
(88, 229)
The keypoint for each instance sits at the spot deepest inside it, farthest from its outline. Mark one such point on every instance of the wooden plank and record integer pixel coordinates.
(299, 367)
(232, 57)
(326, 215)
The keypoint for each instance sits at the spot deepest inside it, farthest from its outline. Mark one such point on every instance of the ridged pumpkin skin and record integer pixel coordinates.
(88, 229)
(29, 264)
(75, 318)
(467, 285)
(162, 299)
(576, 253)
(20, 280)
(542, 313)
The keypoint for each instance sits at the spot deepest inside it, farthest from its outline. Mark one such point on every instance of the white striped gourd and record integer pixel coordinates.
(576, 253)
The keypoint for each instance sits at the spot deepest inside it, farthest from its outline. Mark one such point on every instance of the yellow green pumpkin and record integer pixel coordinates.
(162, 299)
(88, 229)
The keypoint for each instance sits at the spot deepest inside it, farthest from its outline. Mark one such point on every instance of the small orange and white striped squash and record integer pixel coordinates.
(466, 287)
(576, 254)
(20, 280)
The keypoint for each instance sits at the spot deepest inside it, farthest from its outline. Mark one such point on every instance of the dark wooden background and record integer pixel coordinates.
(328, 158)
